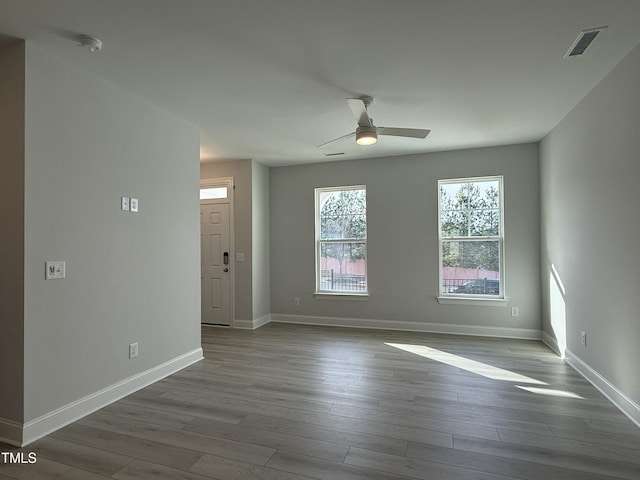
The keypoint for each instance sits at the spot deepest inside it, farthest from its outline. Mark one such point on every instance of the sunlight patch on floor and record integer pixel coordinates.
(479, 368)
(551, 392)
(472, 366)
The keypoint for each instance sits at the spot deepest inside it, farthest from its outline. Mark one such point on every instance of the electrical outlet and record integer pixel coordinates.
(134, 204)
(296, 301)
(124, 203)
(583, 339)
(515, 311)
(133, 350)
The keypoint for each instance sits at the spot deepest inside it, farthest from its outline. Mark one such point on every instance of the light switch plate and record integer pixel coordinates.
(134, 204)
(124, 203)
(54, 270)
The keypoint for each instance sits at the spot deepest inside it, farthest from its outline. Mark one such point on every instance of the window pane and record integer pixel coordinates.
(470, 209)
(343, 214)
(484, 222)
(342, 266)
(471, 267)
(212, 193)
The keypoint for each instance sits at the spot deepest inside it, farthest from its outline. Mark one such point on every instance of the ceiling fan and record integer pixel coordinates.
(367, 133)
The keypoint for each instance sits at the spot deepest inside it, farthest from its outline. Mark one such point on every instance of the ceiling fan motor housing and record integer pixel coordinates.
(366, 135)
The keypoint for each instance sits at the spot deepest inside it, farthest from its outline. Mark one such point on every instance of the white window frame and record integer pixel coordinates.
(475, 299)
(325, 293)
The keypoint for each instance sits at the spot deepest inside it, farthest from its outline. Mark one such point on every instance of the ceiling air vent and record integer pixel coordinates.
(333, 154)
(583, 41)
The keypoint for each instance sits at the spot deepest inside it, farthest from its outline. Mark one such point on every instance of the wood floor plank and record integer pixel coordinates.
(43, 469)
(413, 468)
(168, 455)
(228, 469)
(256, 454)
(502, 465)
(580, 447)
(377, 443)
(447, 425)
(443, 410)
(400, 432)
(140, 470)
(594, 437)
(159, 417)
(537, 405)
(191, 409)
(83, 457)
(238, 405)
(325, 470)
(549, 456)
(271, 439)
(77, 474)
(299, 402)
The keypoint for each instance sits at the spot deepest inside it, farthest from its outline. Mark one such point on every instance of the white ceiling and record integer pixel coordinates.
(266, 79)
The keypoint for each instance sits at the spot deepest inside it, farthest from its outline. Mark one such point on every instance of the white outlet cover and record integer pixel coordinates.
(134, 204)
(124, 203)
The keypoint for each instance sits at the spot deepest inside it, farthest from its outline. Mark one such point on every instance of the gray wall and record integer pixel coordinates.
(260, 240)
(12, 220)
(130, 277)
(402, 198)
(591, 226)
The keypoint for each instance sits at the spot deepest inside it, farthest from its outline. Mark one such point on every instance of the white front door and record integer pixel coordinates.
(215, 263)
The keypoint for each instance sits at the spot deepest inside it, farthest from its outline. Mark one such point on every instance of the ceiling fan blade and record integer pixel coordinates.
(359, 110)
(404, 132)
(322, 145)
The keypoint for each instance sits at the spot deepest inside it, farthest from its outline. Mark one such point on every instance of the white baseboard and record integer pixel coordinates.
(552, 343)
(10, 432)
(520, 333)
(615, 396)
(20, 435)
(252, 324)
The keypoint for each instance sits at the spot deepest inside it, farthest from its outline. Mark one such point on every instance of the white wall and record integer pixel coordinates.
(130, 277)
(402, 248)
(591, 232)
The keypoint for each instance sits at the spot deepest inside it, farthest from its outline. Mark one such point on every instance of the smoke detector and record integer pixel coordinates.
(92, 43)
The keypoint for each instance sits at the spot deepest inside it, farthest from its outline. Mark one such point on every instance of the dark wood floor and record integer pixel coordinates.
(288, 402)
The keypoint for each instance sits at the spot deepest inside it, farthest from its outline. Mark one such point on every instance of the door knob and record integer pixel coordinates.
(225, 269)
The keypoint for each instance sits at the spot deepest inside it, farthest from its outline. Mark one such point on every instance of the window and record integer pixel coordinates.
(211, 193)
(341, 240)
(471, 237)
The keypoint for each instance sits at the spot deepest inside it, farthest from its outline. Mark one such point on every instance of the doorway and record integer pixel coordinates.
(216, 269)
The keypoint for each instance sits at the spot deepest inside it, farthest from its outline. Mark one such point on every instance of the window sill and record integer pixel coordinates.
(476, 302)
(362, 297)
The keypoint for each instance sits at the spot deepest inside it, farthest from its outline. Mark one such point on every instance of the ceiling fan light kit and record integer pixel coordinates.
(366, 135)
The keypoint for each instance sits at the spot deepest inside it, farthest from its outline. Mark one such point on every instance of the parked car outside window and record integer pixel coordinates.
(481, 286)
